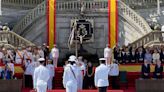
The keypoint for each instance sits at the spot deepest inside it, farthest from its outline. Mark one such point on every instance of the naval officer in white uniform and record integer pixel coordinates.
(70, 75)
(41, 77)
(55, 55)
(101, 76)
(108, 54)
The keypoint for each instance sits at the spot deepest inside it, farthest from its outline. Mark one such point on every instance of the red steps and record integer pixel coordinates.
(131, 76)
(83, 91)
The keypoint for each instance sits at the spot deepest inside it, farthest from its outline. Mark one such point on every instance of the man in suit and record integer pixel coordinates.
(101, 76)
(140, 55)
(158, 70)
(145, 70)
(162, 55)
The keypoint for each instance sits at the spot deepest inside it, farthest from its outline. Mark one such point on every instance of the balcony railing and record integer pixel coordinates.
(22, 3)
(13, 39)
(90, 6)
(142, 3)
(155, 36)
(34, 14)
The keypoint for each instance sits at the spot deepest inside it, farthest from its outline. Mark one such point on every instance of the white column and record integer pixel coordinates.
(158, 7)
(0, 8)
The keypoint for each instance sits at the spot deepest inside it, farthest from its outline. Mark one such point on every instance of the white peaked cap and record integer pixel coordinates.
(41, 59)
(72, 57)
(101, 59)
(72, 60)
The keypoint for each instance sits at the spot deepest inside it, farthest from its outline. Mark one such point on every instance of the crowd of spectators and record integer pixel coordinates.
(24, 56)
(128, 54)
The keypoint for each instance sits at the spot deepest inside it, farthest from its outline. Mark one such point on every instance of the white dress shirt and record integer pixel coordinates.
(55, 52)
(41, 76)
(107, 52)
(114, 69)
(101, 76)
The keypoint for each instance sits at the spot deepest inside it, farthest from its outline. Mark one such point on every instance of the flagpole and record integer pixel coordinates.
(76, 49)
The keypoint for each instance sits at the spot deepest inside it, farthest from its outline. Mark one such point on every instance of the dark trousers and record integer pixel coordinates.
(102, 89)
(114, 80)
(28, 81)
(157, 76)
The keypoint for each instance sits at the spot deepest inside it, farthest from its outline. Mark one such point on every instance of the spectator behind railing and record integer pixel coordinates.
(5, 27)
(158, 70)
(156, 56)
(145, 70)
(148, 56)
(6, 73)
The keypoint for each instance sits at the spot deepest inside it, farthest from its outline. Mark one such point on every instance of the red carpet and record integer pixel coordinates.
(130, 89)
(85, 91)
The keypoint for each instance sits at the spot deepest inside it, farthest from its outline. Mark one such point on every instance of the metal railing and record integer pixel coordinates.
(13, 39)
(154, 36)
(22, 3)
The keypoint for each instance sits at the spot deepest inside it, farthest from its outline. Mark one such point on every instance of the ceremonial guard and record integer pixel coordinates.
(51, 69)
(114, 73)
(55, 55)
(70, 75)
(82, 72)
(41, 77)
(101, 76)
(108, 54)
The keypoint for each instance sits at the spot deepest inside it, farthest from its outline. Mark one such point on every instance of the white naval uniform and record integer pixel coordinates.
(107, 54)
(101, 76)
(41, 53)
(1, 56)
(51, 69)
(19, 57)
(81, 74)
(29, 69)
(55, 55)
(70, 78)
(41, 76)
(28, 55)
(114, 69)
(11, 65)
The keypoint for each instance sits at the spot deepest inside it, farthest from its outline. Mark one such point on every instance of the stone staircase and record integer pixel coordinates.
(29, 18)
(129, 15)
(152, 38)
(11, 39)
(23, 4)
